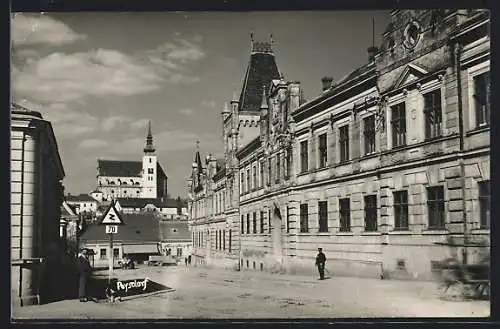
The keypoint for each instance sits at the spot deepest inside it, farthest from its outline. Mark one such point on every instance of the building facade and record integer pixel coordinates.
(83, 203)
(37, 194)
(214, 189)
(69, 227)
(132, 179)
(384, 168)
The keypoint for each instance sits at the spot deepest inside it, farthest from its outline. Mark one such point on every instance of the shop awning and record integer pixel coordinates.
(140, 249)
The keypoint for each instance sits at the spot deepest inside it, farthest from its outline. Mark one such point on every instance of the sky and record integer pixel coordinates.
(100, 77)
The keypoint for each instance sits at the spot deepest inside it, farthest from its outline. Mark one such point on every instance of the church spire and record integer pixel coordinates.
(149, 140)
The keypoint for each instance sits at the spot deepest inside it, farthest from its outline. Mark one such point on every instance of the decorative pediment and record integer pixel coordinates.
(411, 73)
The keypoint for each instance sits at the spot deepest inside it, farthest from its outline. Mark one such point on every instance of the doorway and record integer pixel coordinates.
(276, 234)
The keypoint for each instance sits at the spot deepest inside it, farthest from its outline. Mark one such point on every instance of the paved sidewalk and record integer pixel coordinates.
(213, 293)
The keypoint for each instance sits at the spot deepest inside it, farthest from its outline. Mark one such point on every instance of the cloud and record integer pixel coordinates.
(173, 55)
(186, 111)
(32, 29)
(66, 121)
(111, 122)
(208, 103)
(139, 124)
(169, 140)
(66, 77)
(93, 143)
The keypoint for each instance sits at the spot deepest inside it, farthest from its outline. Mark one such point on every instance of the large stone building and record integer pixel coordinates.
(381, 170)
(36, 173)
(131, 179)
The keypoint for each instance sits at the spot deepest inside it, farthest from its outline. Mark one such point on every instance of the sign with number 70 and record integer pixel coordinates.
(111, 229)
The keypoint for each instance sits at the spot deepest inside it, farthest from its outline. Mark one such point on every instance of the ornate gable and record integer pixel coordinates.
(411, 73)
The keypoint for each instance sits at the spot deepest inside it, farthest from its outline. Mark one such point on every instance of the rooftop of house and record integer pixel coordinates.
(144, 227)
(174, 230)
(138, 228)
(157, 202)
(123, 168)
(80, 198)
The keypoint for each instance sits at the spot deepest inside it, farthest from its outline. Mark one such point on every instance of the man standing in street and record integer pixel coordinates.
(320, 263)
(84, 273)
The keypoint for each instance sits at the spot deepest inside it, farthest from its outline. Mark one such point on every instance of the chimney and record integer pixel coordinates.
(372, 51)
(327, 83)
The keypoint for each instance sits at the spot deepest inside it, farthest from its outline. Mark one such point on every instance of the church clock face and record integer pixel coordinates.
(412, 35)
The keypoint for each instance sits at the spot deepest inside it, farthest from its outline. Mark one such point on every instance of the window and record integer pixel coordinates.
(304, 225)
(344, 143)
(371, 213)
(248, 180)
(345, 215)
(400, 210)
(398, 123)
(230, 240)
(288, 163)
(304, 156)
(242, 224)
(248, 224)
(150, 170)
(223, 239)
(482, 100)
(254, 172)
(278, 169)
(102, 253)
(254, 223)
(116, 252)
(484, 204)
(323, 216)
(401, 264)
(435, 207)
(179, 252)
(269, 221)
(322, 150)
(220, 239)
(261, 222)
(269, 167)
(242, 183)
(433, 116)
(216, 240)
(369, 132)
(261, 173)
(287, 219)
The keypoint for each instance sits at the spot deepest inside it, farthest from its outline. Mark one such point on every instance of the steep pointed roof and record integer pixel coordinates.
(149, 141)
(261, 70)
(197, 157)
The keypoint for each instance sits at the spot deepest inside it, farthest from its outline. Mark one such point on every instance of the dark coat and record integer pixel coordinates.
(83, 266)
(320, 259)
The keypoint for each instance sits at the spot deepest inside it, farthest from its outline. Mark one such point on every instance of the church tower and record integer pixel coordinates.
(149, 168)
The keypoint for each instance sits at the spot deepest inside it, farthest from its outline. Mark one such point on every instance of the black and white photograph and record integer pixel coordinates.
(249, 165)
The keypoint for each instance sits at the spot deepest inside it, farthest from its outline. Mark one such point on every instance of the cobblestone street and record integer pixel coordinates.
(209, 293)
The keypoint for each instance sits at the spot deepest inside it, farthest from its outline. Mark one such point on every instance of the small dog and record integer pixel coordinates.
(112, 294)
